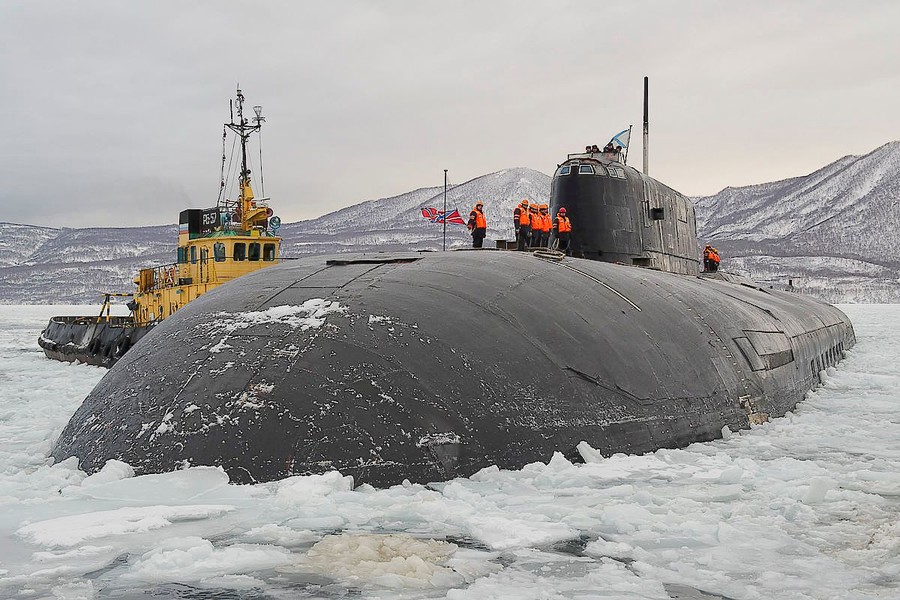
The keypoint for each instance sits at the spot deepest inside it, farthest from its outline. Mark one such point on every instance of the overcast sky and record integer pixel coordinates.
(113, 110)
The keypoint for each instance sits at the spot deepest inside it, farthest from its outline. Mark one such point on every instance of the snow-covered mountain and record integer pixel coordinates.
(70, 266)
(397, 223)
(833, 234)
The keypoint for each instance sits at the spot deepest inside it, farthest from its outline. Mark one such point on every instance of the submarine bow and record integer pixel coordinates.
(428, 366)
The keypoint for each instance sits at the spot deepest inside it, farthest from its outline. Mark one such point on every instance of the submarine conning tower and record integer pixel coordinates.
(620, 215)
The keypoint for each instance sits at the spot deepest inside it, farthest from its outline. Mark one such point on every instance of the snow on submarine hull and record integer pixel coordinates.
(428, 366)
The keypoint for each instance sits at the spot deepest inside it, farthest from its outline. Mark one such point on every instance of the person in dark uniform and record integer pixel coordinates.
(524, 228)
(535, 218)
(546, 223)
(714, 260)
(517, 217)
(477, 224)
(562, 229)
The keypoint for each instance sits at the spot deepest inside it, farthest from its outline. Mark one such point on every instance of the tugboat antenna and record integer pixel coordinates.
(243, 130)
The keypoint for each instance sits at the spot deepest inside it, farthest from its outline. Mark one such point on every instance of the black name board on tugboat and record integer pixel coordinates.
(200, 220)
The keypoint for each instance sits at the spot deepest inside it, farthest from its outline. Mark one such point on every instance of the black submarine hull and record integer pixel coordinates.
(428, 366)
(99, 341)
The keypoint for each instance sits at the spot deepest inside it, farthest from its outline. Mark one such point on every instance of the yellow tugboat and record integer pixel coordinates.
(215, 245)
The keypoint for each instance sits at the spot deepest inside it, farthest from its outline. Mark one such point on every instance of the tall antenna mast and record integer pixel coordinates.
(243, 129)
(646, 130)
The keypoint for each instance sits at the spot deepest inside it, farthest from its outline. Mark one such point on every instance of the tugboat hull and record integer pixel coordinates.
(97, 341)
(434, 365)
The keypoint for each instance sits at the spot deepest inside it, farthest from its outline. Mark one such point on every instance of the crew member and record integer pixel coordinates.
(535, 217)
(714, 260)
(477, 225)
(707, 250)
(521, 207)
(524, 228)
(609, 148)
(562, 228)
(546, 223)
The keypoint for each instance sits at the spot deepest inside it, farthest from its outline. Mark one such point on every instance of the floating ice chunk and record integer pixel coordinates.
(589, 454)
(186, 486)
(113, 470)
(617, 550)
(486, 474)
(194, 559)
(499, 532)
(271, 533)
(75, 529)
(76, 590)
(311, 489)
(818, 487)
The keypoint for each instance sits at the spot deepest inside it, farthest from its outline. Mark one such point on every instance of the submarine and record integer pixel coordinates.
(425, 366)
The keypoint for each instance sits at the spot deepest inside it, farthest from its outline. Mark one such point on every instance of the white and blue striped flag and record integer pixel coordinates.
(622, 138)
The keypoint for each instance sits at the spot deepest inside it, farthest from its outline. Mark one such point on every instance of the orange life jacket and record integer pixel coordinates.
(546, 221)
(524, 217)
(563, 225)
(480, 222)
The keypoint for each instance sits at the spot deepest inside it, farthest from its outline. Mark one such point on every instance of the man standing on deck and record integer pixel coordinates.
(562, 228)
(521, 207)
(534, 217)
(546, 222)
(477, 224)
(524, 228)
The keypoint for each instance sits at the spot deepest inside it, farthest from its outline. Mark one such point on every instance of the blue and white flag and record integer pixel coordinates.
(622, 138)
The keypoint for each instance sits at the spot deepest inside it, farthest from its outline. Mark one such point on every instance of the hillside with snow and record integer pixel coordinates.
(832, 234)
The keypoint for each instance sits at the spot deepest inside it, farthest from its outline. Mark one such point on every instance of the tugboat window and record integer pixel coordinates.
(219, 252)
(240, 251)
(193, 254)
(269, 252)
(586, 169)
(254, 251)
(182, 257)
(565, 170)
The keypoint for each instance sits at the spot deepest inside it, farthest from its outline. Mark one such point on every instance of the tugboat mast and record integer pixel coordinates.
(243, 130)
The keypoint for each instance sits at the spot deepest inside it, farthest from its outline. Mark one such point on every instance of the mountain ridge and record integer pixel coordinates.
(832, 233)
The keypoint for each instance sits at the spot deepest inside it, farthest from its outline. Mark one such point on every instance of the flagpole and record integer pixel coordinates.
(445, 209)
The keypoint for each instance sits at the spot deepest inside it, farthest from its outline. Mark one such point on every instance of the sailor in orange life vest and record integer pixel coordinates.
(714, 260)
(562, 227)
(524, 226)
(710, 259)
(477, 225)
(546, 222)
(520, 209)
(535, 217)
